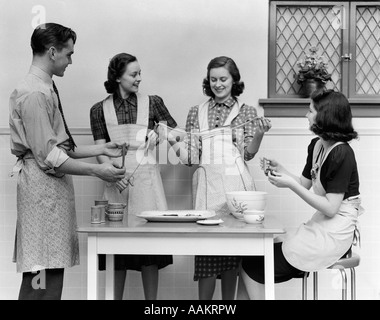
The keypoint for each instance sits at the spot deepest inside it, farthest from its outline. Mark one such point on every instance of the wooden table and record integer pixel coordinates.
(137, 236)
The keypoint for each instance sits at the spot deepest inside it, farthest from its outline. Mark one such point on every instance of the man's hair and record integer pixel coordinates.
(50, 34)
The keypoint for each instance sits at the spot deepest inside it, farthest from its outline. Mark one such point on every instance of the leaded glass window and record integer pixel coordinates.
(346, 33)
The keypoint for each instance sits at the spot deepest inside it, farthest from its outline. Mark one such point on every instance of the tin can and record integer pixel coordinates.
(104, 205)
(102, 213)
(96, 214)
(101, 202)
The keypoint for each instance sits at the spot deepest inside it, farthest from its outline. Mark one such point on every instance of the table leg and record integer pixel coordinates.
(269, 267)
(110, 279)
(92, 267)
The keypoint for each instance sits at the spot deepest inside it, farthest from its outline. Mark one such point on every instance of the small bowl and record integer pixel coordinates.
(241, 201)
(116, 205)
(253, 216)
(115, 216)
(115, 211)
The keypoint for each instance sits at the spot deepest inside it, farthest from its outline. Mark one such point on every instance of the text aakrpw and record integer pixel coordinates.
(197, 309)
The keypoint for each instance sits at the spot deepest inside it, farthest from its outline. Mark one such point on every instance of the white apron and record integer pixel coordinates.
(147, 191)
(222, 168)
(322, 240)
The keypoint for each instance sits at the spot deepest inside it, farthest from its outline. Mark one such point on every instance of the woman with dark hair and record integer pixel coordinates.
(331, 170)
(126, 116)
(224, 133)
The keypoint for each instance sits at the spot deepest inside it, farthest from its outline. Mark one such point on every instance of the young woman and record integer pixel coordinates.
(128, 116)
(224, 133)
(331, 170)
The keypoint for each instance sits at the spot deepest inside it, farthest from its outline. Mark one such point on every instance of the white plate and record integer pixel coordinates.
(176, 215)
(210, 222)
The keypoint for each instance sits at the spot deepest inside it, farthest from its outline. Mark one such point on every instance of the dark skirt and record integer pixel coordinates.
(210, 266)
(283, 270)
(135, 262)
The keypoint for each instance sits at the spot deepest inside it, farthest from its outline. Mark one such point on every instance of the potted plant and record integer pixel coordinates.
(312, 72)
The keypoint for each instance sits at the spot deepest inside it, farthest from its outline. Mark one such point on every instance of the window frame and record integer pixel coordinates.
(291, 106)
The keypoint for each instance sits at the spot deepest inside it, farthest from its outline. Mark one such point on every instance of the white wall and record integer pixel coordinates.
(173, 40)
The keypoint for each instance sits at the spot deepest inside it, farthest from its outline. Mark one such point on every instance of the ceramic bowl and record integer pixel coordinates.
(253, 216)
(240, 201)
(115, 211)
(116, 205)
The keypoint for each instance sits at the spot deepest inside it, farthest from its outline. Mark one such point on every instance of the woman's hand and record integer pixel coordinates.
(272, 165)
(162, 132)
(274, 168)
(171, 135)
(263, 124)
(281, 180)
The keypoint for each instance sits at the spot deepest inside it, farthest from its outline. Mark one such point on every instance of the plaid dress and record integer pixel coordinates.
(208, 266)
(127, 112)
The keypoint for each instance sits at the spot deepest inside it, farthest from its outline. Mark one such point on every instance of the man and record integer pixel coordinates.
(46, 238)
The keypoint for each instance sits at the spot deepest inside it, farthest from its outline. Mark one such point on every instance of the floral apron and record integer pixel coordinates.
(221, 169)
(146, 191)
(322, 240)
(46, 236)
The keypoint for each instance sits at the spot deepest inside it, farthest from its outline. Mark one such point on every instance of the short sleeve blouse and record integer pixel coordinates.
(339, 172)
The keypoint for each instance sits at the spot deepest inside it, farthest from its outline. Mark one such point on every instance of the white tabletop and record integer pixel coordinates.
(230, 225)
(138, 236)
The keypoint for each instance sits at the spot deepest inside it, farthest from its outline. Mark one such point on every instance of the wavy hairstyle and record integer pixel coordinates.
(50, 34)
(230, 65)
(116, 68)
(333, 120)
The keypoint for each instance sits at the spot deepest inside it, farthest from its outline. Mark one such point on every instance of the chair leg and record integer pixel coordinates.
(315, 285)
(304, 286)
(353, 284)
(344, 284)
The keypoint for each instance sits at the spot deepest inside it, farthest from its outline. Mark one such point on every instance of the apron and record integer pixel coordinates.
(46, 236)
(146, 191)
(222, 168)
(322, 240)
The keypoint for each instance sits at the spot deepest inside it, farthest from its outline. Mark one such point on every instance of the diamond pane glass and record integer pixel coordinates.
(367, 50)
(298, 29)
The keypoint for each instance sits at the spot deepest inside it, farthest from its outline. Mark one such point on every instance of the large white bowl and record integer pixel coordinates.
(240, 201)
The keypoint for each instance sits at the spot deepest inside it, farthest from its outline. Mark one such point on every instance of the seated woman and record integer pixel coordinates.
(331, 170)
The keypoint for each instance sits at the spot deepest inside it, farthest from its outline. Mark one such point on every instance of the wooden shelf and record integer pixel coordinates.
(298, 107)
